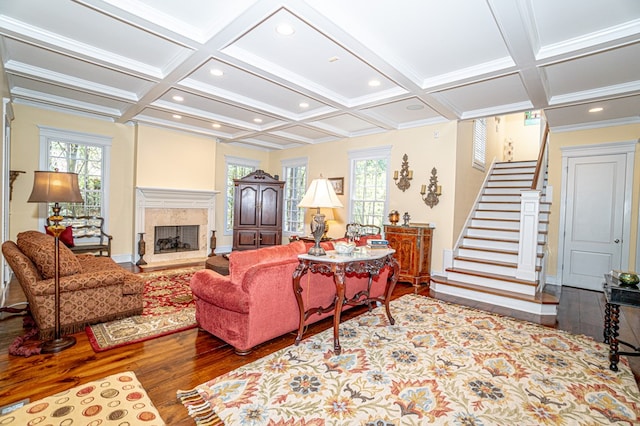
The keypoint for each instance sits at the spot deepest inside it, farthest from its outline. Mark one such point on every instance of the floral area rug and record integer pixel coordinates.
(439, 364)
(118, 399)
(168, 308)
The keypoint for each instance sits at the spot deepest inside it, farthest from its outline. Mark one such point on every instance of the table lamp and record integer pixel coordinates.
(320, 194)
(56, 187)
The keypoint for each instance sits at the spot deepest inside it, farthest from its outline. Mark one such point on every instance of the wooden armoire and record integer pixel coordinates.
(257, 211)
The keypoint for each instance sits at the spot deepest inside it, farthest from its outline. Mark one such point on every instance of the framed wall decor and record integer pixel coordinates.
(338, 185)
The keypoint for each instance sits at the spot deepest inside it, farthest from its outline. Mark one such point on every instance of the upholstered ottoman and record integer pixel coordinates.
(220, 264)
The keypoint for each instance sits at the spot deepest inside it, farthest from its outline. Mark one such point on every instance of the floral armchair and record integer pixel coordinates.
(92, 289)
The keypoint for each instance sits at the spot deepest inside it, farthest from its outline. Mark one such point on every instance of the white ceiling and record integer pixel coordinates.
(126, 60)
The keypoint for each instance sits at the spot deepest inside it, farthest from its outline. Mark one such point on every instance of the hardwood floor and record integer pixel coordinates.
(184, 360)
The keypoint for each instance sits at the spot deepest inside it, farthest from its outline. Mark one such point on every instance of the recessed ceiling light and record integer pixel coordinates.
(217, 72)
(257, 120)
(304, 105)
(216, 126)
(177, 116)
(285, 29)
(374, 83)
(178, 98)
(334, 59)
(415, 107)
(597, 109)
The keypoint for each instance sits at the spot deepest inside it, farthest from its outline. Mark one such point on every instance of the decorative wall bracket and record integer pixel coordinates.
(13, 175)
(405, 175)
(433, 191)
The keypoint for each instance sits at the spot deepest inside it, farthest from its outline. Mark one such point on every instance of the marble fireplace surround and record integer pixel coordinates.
(165, 207)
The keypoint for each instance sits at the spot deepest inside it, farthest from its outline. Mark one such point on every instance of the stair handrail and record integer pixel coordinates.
(541, 164)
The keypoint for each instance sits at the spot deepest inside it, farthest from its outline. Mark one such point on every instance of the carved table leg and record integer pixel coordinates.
(614, 357)
(391, 284)
(338, 277)
(607, 322)
(297, 290)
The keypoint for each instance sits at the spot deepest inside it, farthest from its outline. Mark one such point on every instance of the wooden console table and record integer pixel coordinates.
(340, 266)
(615, 296)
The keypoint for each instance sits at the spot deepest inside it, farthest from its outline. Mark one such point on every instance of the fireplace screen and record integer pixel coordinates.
(169, 239)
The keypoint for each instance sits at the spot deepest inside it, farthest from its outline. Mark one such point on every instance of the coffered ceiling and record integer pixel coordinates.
(348, 68)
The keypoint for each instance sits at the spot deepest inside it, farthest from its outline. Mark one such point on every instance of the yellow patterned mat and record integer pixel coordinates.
(118, 399)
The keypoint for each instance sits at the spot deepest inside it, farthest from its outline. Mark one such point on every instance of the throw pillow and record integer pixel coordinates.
(39, 247)
(66, 237)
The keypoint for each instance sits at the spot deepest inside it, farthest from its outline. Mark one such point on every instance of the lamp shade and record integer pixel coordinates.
(55, 187)
(320, 194)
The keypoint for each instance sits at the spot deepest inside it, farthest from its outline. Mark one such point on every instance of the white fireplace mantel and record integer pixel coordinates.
(169, 198)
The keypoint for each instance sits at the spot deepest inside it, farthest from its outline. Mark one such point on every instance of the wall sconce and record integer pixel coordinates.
(13, 175)
(433, 191)
(405, 175)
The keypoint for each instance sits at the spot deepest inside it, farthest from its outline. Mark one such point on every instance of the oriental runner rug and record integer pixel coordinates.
(118, 399)
(439, 364)
(168, 308)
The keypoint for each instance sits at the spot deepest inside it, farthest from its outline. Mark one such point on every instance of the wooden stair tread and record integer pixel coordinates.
(491, 262)
(540, 298)
(494, 276)
(500, 229)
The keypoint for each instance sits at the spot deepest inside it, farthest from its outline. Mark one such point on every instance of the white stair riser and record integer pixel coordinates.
(488, 255)
(509, 183)
(518, 170)
(529, 290)
(497, 214)
(492, 255)
(520, 177)
(512, 165)
(509, 206)
(501, 198)
(490, 244)
(498, 224)
(484, 267)
(492, 233)
(503, 191)
(518, 305)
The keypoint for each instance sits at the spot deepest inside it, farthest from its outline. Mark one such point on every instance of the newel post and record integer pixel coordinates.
(528, 245)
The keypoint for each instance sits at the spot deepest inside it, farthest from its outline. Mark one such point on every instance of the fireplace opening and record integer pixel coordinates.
(171, 239)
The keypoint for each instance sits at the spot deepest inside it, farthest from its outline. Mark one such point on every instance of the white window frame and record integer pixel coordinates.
(479, 143)
(235, 161)
(377, 153)
(290, 164)
(80, 138)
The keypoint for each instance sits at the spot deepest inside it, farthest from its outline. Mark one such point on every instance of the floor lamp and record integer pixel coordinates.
(319, 195)
(56, 187)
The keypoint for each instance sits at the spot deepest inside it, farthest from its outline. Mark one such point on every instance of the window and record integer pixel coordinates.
(85, 154)
(236, 168)
(369, 185)
(294, 174)
(479, 143)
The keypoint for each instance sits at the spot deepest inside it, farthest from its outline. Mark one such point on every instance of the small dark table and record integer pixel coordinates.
(615, 295)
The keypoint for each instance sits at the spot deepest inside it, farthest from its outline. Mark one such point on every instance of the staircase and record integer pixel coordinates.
(485, 261)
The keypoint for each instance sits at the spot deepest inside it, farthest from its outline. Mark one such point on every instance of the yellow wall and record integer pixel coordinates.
(176, 160)
(588, 137)
(25, 151)
(526, 139)
(424, 152)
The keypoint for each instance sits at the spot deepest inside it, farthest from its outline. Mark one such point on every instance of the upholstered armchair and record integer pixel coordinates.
(92, 289)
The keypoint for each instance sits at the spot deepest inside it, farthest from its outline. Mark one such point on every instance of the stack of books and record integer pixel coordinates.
(378, 244)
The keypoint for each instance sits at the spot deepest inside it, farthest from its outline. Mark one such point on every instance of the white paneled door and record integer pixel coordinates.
(594, 226)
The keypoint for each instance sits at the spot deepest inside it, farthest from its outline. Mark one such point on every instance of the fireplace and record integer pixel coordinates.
(175, 238)
(193, 211)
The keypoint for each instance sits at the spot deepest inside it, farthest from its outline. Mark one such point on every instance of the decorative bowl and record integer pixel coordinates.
(343, 247)
(628, 279)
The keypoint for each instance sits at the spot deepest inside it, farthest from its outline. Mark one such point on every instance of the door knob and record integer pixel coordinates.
(616, 241)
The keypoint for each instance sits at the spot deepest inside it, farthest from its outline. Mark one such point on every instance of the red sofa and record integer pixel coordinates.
(256, 303)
